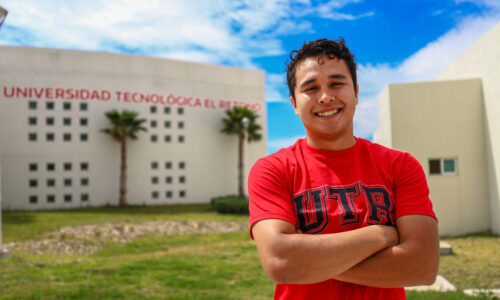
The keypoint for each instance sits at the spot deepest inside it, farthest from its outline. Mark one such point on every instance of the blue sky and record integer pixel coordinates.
(394, 41)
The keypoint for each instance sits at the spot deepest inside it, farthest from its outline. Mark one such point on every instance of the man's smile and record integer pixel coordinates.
(328, 113)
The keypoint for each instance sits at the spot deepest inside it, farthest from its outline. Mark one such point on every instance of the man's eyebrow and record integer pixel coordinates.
(337, 76)
(303, 84)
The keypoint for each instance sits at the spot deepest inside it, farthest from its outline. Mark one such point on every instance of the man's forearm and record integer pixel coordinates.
(414, 261)
(302, 258)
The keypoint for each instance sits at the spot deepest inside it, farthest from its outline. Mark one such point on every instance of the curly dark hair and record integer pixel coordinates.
(320, 48)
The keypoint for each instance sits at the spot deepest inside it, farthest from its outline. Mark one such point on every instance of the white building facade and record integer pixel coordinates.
(452, 126)
(53, 154)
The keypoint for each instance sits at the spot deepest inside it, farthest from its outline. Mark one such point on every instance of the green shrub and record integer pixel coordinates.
(231, 204)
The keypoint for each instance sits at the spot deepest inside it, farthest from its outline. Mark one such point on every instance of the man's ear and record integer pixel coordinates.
(294, 105)
(357, 92)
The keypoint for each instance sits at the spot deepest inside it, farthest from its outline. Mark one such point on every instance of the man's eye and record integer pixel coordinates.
(337, 84)
(310, 89)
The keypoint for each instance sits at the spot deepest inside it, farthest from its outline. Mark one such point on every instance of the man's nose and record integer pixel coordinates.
(326, 98)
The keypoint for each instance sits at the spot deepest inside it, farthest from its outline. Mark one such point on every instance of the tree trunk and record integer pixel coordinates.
(123, 171)
(241, 140)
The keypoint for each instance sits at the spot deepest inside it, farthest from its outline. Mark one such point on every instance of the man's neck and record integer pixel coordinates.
(334, 144)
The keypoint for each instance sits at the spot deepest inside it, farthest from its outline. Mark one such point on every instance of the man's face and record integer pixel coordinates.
(325, 100)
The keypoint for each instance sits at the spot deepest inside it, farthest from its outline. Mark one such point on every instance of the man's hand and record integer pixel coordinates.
(288, 257)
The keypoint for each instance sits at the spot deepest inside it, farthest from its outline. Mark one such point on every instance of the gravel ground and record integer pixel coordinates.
(90, 238)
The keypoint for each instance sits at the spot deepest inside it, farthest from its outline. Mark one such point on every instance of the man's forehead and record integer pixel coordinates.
(322, 60)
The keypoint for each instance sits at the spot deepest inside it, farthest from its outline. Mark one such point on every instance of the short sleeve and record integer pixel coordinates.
(268, 193)
(411, 191)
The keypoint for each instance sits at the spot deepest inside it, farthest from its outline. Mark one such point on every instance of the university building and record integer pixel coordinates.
(53, 154)
(452, 126)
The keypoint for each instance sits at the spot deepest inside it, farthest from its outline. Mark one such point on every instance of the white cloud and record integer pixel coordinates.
(276, 88)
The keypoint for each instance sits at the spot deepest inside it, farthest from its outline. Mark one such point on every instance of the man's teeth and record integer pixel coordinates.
(328, 113)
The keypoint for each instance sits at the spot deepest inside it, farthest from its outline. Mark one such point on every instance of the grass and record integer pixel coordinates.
(198, 266)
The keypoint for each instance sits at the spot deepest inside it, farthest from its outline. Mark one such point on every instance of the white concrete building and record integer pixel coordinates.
(452, 126)
(52, 108)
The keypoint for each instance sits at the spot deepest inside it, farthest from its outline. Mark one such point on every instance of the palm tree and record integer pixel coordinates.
(123, 125)
(241, 121)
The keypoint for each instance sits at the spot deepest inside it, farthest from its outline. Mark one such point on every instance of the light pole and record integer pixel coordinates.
(3, 14)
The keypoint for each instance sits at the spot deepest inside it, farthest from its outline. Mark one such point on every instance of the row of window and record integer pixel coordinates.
(166, 110)
(51, 137)
(51, 182)
(166, 124)
(167, 138)
(67, 166)
(50, 105)
(168, 179)
(50, 121)
(168, 165)
(51, 198)
(443, 166)
(168, 194)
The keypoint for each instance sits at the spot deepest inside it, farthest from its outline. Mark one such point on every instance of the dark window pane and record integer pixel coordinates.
(434, 166)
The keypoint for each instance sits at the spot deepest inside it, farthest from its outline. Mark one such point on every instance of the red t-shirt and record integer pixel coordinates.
(321, 191)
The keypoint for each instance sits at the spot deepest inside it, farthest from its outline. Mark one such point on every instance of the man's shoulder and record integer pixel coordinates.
(381, 150)
(282, 158)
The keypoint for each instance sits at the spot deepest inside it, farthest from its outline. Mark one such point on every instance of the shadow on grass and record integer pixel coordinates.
(18, 217)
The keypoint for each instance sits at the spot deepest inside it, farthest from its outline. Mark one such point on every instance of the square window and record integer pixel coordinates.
(51, 198)
(32, 105)
(152, 109)
(434, 166)
(51, 182)
(166, 110)
(67, 121)
(449, 166)
(83, 106)
(180, 138)
(32, 121)
(67, 105)
(154, 165)
(33, 199)
(32, 137)
(49, 137)
(84, 181)
(182, 165)
(33, 183)
(167, 139)
(67, 137)
(153, 138)
(49, 105)
(68, 198)
(154, 180)
(84, 197)
(168, 179)
(49, 121)
(168, 194)
(67, 166)
(182, 194)
(180, 125)
(84, 166)
(152, 123)
(83, 121)
(166, 124)
(68, 182)
(168, 165)
(180, 111)
(51, 166)
(33, 167)
(182, 179)
(84, 137)
(155, 194)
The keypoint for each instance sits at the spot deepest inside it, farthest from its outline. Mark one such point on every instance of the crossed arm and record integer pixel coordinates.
(376, 255)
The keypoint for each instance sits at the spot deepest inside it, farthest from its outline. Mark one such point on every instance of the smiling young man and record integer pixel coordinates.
(335, 216)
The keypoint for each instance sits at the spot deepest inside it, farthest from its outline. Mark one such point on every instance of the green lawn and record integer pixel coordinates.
(195, 266)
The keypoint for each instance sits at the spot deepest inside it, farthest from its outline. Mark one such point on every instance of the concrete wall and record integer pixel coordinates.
(482, 60)
(195, 95)
(383, 135)
(445, 120)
